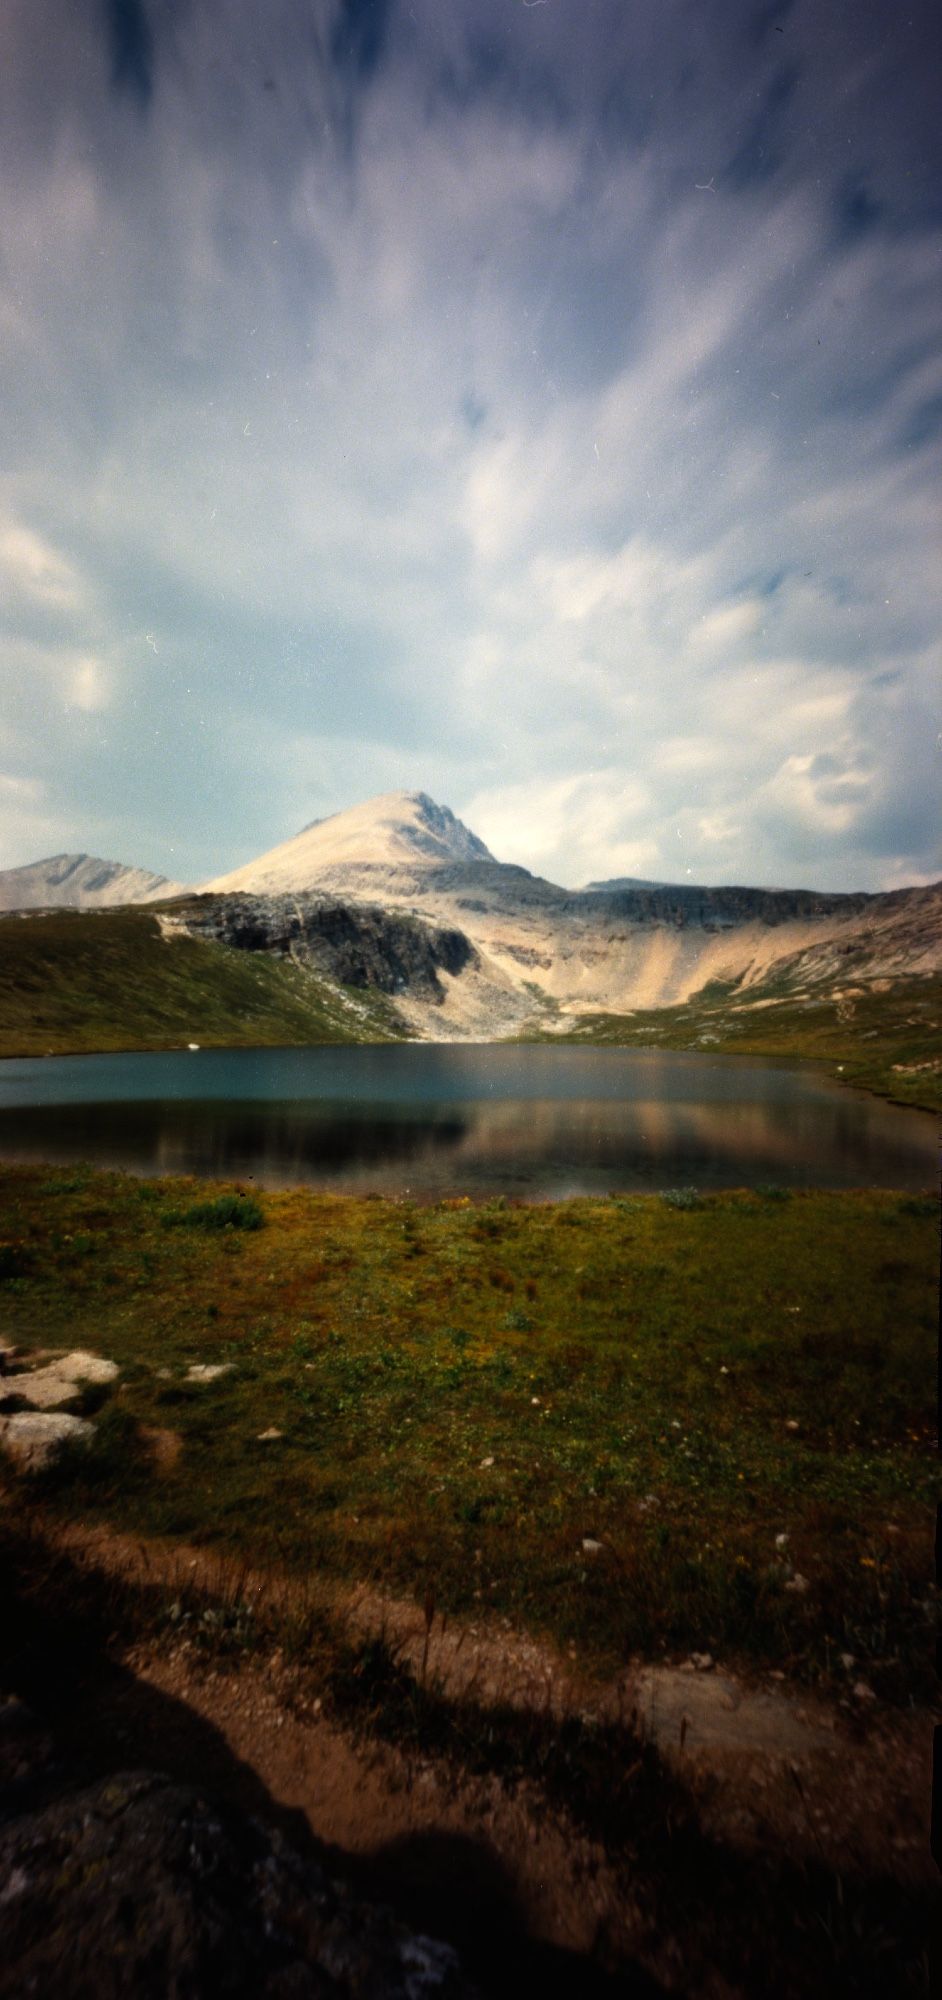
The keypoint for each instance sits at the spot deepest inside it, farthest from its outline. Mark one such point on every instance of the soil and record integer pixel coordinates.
(843, 1782)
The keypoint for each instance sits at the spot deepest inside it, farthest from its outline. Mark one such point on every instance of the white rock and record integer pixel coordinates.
(792, 1424)
(33, 1437)
(781, 1541)
(58, 1382)
(862, 1691)
(591, 1547)
(85, 1367)
(486, 1462)
(207, 1371)
(263, 1436)
(848, 1660)
(702, 1661)
(798, 1584)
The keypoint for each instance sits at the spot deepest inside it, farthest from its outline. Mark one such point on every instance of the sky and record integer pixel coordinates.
(536, 403)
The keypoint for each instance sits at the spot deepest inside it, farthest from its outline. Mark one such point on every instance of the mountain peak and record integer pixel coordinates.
(81, 882)
(396, 829)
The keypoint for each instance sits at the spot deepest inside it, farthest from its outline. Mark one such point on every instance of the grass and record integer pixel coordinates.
(881, 1036)
(75, 982)
(465, 1395)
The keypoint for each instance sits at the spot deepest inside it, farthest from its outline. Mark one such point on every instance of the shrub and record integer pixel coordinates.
(228, 1211)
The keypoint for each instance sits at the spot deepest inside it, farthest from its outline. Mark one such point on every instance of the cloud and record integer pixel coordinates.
(396, 398)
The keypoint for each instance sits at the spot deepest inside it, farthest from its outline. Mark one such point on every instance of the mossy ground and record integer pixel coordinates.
(887, 1040)
(74, 982)
(467, 1394)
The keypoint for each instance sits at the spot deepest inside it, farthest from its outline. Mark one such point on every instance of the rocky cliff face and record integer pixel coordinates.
(478, 950)
(353, 944)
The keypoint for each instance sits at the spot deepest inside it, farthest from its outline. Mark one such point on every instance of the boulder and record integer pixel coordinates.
(138, 1885)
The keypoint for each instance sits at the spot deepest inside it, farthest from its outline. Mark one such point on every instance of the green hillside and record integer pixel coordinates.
(884, 1037)
(77, 981)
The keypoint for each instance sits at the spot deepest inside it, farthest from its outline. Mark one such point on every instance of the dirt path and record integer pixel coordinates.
(846, 1786)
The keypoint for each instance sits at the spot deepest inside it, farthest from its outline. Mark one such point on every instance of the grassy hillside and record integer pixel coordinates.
(74, 982)
(883, 1040)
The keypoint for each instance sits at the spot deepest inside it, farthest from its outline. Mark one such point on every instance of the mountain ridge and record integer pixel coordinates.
(82, 882)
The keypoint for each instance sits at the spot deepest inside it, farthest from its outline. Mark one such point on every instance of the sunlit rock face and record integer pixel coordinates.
(395, 829)
(80, 882)
(614, 947)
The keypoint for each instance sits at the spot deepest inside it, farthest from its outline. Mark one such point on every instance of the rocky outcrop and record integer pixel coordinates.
(474, 949)
(137, 1885)
(349, 943)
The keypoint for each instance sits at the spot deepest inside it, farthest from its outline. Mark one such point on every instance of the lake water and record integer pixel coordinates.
(428, 1120)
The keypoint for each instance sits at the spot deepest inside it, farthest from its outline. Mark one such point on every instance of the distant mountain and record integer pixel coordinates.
(81, 882)
(616, 882)
(398, 829)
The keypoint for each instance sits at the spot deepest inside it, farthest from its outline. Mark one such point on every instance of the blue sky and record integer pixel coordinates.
(533, 404)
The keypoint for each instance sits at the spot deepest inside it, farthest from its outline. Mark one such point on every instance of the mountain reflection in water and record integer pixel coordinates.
(661, 1122)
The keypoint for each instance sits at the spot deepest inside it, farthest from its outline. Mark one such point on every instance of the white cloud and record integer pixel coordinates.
(480, 451)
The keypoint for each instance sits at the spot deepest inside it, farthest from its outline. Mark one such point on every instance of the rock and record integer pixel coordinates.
(792, 1424)
(848, 1660)
(85, 1367)
(781, 1541)
(486, 1462)
(798, 1585)
(207, 1371)
(702, 1661)
(59, 1381)
(263, 1436)
(33, 1437)
(862, 1691)
(590, 1547)
(137, 1885)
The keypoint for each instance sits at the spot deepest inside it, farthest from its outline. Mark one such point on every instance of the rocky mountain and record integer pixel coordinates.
(397, 895)
(534, 949)
(396, 829)
(80, 882)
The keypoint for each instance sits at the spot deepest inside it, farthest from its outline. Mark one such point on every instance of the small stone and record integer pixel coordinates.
(486, 1462)
(798, 1585)
(781, 1541)
(264, 1436)
(776, 1674)
(591, 1547)
(862, 1691)
(703, 1662)
(534, 1400)
(207, 1371)
(848, 1660)
(792, 1424)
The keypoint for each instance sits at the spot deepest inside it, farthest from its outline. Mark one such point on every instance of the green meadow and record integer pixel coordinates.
(647, 1425)
(77, 982)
